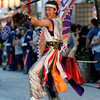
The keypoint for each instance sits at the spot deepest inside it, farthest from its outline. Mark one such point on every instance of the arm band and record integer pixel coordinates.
(26, 15)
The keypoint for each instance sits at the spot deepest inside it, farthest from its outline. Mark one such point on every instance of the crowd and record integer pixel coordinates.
(82, 43)
(21, 42)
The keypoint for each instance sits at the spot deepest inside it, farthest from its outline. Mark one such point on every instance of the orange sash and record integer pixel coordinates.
(59, 82)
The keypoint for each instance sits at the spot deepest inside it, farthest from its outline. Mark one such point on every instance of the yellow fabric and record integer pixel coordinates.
(59, 82)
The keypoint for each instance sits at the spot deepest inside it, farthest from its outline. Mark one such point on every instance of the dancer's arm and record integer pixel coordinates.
(46, 23)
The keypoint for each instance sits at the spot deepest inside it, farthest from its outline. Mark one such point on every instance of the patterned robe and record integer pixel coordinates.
(5, 32)
(51, 57)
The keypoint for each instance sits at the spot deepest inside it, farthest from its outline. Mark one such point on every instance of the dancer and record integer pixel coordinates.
(50, 61)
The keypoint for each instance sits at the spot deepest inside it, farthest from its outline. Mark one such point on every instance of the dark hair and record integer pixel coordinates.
(19, 36)
(73, 28)
(84, 30)
(78, 26)
(94, 22)
(26, 24)
(54, 3)
(32, 26)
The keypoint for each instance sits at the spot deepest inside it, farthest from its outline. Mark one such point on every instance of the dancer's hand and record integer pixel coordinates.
(23, 6)
(9, 19)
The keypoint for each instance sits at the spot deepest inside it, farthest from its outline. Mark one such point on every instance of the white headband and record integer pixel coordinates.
(50, 5)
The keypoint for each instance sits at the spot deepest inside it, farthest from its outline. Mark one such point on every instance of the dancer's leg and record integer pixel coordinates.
(35, 74)
(35, 78)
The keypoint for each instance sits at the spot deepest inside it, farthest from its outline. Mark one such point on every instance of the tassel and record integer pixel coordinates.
(45, 77)
(77, 77)
(59, 82)
(79, 90)
(70, 68)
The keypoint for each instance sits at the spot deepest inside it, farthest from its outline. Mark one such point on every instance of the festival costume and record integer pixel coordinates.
(72, 68)
(46, 60)
(50, 62)
(49, 67)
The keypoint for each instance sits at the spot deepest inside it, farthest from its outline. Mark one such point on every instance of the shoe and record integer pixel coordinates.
(18, 70)
(25, 72)
(98, 86)
(98, 81)
(4, 68)
(9, 70)
(91, 81)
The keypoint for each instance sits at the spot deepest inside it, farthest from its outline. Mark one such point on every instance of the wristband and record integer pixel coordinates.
(26, 15)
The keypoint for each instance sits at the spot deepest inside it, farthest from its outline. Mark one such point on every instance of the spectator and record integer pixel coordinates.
(78, 28)
(34, 43)
(22, 33)
(27, 38)
(11, 50)
(18, 52)
(70, 43)
(81, 44)
(96, 50)
(32, 28)
(92, 33)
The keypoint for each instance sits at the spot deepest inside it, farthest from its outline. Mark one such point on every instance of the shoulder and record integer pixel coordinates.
(56, 19)
(91, 33)
(29, 31)
(12, 32)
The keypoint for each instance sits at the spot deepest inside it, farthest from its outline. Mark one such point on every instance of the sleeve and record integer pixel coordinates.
(90, 34)
(36, 40)
(69, 38)
(98, 35)
(11, 38)
(29, 36)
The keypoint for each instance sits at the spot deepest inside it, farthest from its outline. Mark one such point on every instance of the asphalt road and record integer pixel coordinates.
(15, 86)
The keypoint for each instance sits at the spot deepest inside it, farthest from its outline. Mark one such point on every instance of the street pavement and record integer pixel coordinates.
(15, 86)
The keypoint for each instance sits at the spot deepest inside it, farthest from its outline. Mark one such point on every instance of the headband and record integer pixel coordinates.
(50, 5)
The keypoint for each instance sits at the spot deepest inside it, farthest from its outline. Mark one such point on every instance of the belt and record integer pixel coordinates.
(56, 45)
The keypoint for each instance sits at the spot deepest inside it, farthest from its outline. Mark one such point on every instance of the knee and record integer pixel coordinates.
(31, 72)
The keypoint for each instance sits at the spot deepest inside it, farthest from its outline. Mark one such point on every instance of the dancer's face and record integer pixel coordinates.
(50, 12)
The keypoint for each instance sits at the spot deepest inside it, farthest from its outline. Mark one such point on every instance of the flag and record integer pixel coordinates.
(65, 12)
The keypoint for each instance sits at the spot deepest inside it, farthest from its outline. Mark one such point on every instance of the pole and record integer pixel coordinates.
(33, 1)
(29, 7)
